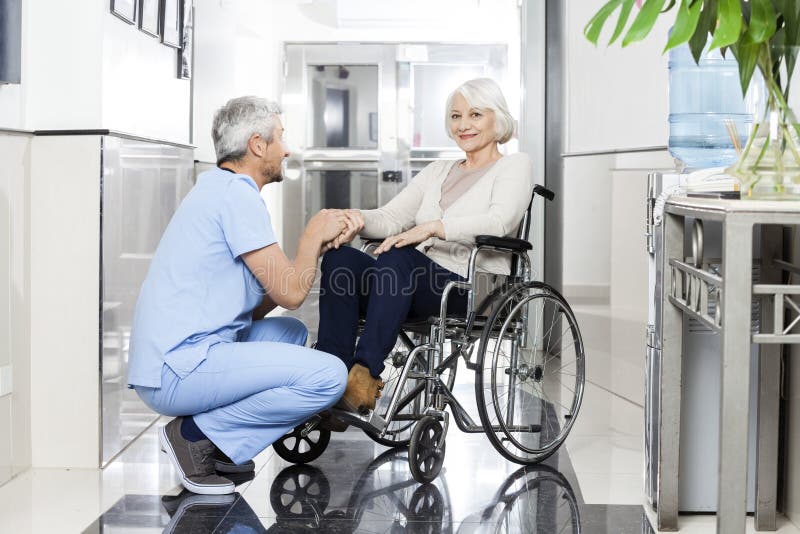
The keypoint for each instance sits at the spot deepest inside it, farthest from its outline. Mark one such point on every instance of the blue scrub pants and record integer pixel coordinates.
(399, 284)
(247, 394)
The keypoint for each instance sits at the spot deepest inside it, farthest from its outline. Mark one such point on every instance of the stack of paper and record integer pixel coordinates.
(713, 179)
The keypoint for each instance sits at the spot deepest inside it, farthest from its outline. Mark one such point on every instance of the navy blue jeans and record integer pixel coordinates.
(400, 284)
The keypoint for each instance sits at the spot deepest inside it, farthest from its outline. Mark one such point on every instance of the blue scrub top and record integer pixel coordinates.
(198, 291)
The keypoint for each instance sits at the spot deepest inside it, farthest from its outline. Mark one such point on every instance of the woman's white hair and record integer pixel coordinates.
(484, 94)
(238, 120)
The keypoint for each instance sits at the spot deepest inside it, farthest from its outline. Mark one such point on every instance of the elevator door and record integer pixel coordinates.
(362, 119)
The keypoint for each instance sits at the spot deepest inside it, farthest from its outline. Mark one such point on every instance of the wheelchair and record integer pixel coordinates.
(524, 346)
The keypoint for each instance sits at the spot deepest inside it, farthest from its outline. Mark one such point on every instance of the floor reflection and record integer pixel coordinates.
(385, 492)
(383, 497)
(536, 499)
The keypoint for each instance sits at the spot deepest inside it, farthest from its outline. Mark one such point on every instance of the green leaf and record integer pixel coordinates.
(670, 6)
(704, 26)
(644, 21)
(623, 19)
(763, 23)
(747, 57)
(685, 24)
(790, 12)
(595, 25)
(729, 24)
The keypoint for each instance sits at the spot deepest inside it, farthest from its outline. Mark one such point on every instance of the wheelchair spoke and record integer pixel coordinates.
(559, 342)
(564, 374)
(571, 362)
(547, 398)
(552, 325)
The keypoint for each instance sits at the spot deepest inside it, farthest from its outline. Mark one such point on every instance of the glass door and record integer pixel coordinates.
(362, 119)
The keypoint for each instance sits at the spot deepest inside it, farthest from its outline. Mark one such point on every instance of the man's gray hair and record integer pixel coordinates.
(484, 94)
(238, 120)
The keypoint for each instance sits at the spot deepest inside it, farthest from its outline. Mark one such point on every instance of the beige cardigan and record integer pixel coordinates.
(494, 205)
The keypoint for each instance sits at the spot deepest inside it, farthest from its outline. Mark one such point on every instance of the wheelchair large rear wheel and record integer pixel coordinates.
(530, 376)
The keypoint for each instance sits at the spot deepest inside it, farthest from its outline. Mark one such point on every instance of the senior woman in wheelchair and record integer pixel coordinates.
(428, 230)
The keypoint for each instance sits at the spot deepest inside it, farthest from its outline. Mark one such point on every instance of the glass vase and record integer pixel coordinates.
(769, 166)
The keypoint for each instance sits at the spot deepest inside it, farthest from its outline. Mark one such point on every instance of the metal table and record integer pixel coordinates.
(724, 304)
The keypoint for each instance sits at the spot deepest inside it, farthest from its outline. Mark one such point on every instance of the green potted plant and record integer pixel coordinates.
(761, 34)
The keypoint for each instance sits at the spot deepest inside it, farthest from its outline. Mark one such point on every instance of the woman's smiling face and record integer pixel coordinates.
(473, 129)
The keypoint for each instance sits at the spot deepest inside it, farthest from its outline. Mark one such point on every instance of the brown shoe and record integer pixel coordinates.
(362, 390)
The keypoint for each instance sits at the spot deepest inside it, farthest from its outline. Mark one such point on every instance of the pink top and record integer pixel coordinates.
(458, 182)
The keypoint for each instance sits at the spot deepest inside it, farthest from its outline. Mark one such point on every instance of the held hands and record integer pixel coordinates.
(326, 225)
(354, 223)
(415, 235)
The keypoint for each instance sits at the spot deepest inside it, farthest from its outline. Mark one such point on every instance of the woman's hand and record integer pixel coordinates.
(326, 225)
(354, 223)
(416, 235)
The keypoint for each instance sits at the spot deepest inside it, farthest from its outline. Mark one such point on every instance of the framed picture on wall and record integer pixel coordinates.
(10, 41)
(187, 34)
(124, 9)
(171, 23)
(148, 16)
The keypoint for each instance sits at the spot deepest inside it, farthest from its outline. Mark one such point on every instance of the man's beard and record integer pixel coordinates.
(274, 175)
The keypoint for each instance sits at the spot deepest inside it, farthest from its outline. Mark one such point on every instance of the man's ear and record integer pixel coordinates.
(258, 145)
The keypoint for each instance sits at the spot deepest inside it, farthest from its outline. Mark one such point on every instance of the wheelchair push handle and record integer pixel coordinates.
(544, 192)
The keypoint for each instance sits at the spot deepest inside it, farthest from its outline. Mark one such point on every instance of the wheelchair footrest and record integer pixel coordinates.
(371, 421)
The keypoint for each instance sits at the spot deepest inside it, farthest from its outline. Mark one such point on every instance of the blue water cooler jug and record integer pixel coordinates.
(702, 98)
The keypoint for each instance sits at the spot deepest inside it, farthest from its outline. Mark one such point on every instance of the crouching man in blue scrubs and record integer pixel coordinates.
(201, 350)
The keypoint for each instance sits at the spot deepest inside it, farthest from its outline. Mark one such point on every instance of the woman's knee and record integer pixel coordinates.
(403, 256)
(340, 257)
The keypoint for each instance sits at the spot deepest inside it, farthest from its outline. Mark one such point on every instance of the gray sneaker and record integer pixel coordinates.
(193, 460)
(223, 464)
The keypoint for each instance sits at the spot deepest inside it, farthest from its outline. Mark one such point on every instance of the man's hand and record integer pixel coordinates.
(326, 225)
(354, 222)
(416, 235)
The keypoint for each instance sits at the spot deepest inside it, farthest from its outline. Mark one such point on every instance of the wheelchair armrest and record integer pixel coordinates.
(370, 243)
(506, 243)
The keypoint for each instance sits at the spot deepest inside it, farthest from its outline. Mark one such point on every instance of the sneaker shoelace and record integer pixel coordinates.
(202, 452)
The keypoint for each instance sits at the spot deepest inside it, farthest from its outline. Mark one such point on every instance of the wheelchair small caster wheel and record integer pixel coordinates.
(300, 447)
(426, 450)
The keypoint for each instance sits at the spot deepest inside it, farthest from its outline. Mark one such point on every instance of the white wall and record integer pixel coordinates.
(616, 98)
(11, 106)
(15, 433)
(83, 68)
(587, 225)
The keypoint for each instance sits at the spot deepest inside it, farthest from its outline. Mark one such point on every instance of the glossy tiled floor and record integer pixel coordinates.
(593, 484)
